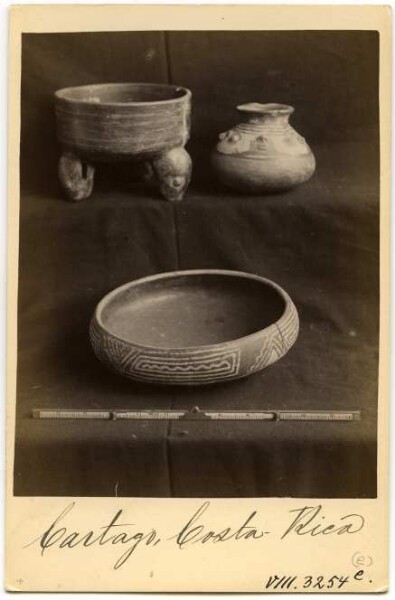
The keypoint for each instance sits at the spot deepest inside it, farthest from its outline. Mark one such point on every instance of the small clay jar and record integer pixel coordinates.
(263, 153)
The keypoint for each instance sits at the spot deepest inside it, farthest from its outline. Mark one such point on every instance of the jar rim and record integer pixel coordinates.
(270, 108)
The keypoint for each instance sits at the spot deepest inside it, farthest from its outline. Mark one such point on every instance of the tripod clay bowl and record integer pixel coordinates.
(263, 153)
(124, 121)
(194, 327)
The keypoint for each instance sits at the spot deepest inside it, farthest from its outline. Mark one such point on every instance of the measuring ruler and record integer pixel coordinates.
(196, 414)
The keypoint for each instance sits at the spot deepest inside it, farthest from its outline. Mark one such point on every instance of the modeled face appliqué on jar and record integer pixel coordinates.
(263, 153)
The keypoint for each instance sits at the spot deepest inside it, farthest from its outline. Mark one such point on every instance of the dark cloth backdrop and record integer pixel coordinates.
(319, 241)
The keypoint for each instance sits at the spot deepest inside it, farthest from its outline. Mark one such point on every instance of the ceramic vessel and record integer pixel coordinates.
(124, 121)
(194, 327)
(263, 153)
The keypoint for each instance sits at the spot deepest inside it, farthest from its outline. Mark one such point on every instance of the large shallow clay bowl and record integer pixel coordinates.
(123, 121)
(194, 327)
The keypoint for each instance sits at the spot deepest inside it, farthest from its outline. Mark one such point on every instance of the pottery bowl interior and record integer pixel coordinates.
(190, 310)
(114, 94)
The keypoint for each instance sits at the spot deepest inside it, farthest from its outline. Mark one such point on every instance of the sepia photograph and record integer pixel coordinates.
(199, 252)
(198, 299)
(198, 288)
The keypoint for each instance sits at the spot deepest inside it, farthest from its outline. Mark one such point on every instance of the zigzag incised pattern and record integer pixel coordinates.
(197, 366)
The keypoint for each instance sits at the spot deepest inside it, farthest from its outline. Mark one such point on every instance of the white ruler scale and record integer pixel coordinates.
(196, 414)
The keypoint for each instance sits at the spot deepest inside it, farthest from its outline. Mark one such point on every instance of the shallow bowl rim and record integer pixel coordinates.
(97, 315)
(61, 94)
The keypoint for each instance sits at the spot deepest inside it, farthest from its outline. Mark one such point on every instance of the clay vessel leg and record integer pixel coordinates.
(148, 174)
(173, 171)
(75, 176)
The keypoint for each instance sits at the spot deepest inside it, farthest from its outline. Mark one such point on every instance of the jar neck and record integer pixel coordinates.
(266, 116)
